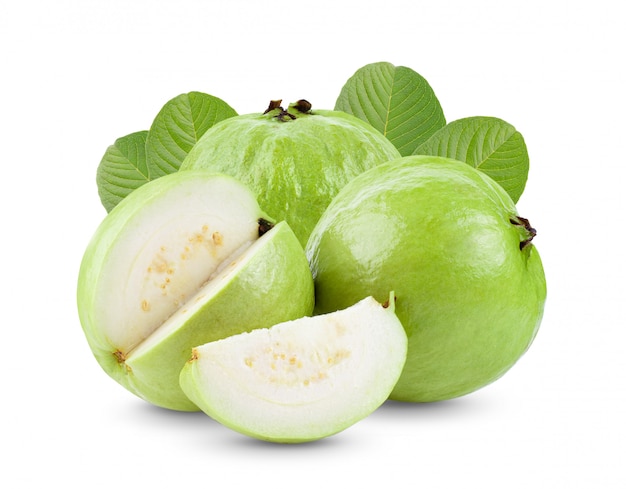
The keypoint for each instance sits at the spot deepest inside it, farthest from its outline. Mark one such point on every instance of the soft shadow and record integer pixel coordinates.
(145, 412)
(244, 443)
(206, 432)
(441, 409)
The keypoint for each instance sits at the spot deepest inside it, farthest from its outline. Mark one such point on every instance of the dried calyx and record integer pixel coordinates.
(291, 113)
(264, 226)
(530, 231)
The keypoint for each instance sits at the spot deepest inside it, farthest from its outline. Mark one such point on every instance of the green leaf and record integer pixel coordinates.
(122, 169)
(177, 127)
(491, 145)
(395, 100)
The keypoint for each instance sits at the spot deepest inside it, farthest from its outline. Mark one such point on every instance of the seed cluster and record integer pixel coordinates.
(166, 262)
(282, 364)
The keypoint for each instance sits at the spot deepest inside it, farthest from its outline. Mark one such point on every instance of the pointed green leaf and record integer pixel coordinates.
(395, 100)
(177, 127)
(122, 169)
(491, 145)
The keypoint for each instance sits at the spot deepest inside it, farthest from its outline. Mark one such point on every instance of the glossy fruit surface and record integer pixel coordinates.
(294, 160)
(185, 259)
(300, 380)
(447, 239)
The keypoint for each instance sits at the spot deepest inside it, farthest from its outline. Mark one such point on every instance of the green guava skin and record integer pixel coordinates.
(274, 285)
(439, 233)
(294, 166)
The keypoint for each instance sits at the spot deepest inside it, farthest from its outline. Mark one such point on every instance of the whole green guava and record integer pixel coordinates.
(469, 283)
(295, 160)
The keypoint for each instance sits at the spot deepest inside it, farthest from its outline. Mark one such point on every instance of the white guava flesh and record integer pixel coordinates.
(183, 260)
(300, 380)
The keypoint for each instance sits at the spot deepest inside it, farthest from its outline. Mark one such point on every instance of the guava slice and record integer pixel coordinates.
(184, 259)
(300, 380)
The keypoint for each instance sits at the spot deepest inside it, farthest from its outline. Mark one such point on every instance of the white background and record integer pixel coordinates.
(75, 75)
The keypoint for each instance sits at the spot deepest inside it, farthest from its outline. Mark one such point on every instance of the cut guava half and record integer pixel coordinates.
(183, 260)
(300, 380)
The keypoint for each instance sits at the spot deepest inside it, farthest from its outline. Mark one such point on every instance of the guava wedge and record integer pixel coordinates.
(300, 380)
(185, 259)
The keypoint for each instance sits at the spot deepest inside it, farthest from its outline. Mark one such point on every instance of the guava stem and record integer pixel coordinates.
(531, 232)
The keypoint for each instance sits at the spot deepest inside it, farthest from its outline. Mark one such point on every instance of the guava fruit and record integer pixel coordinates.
(294, 160)
(184, 259)
(448, 240)
(300, 380)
